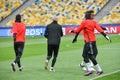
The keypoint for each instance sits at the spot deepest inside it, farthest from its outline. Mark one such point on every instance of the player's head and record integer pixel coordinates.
(18, 18)
(89, 14)
(55, 18)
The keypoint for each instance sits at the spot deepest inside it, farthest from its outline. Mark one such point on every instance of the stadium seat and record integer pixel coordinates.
(68, 12)
(113, 16)
(8, 6)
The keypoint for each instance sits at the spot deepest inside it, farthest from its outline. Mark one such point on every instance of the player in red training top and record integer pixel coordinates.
(90, 49)
(18, 31)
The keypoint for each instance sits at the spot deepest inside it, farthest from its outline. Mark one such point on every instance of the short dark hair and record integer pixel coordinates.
(88, 14)
(18, 18)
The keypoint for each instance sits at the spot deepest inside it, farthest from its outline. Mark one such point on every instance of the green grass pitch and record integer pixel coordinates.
(69, 57)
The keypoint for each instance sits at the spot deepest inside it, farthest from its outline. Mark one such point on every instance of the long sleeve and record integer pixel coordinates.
(46, 32)
(14, 30)
(99, 28)
(61, 32)
(79, 29)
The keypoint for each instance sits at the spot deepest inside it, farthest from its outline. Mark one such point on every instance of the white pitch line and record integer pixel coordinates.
(104, 75)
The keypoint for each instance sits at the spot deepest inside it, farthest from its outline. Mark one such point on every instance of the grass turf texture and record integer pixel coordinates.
(67, 62)
(112, 76)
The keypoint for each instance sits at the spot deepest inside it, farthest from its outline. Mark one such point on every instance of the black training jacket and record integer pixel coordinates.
(53, 33)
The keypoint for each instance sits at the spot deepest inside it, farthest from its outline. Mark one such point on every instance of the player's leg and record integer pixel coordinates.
(86, 59)
(56, 49)
(82, 64)
(16, 53)
(49, 55)
(20, 51)
(92, 65)
(19, 65)
(99, 70)
(21, 48)
(19, 54)
(95, 50)
(93, 59)
(95, 54)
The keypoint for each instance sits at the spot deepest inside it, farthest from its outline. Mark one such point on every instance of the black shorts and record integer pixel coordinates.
(90, 48)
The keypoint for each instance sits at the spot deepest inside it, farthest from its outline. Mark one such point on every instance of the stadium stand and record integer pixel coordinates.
(113, 16)
(9, 6)
(69, 12)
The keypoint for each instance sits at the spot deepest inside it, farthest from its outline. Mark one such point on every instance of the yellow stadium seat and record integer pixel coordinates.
(113, 16)
(69, 12)
(8, 6)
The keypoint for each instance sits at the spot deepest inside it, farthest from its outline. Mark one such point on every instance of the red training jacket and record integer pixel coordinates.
(88, 27)
(20, 29)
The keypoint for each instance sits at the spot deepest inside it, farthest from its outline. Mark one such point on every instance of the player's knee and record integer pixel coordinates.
(18, 56)
(84, 56)
(92, 58)
(54, 58)
(49, 57)
(86, 60)
(20, 50)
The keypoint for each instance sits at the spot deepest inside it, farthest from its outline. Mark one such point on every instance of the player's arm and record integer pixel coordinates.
(46, 33)
(61, 32)
(102, 32)
(106, 36)
(14, 36)
(103, 28)
(75, 38)
(14, 30)
(77, 31)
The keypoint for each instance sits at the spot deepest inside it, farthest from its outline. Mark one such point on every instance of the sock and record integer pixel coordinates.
(21, 67)
(91, 64)
(82, 63)
(46, 60)
(98, 67)
(88, 65)
(13, 63)
(51, 67)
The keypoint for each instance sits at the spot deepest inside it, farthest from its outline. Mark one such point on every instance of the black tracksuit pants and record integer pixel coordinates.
(18, 48)
(52, 51)
(90, 52)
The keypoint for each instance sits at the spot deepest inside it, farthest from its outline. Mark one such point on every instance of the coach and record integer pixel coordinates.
(53, 33)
